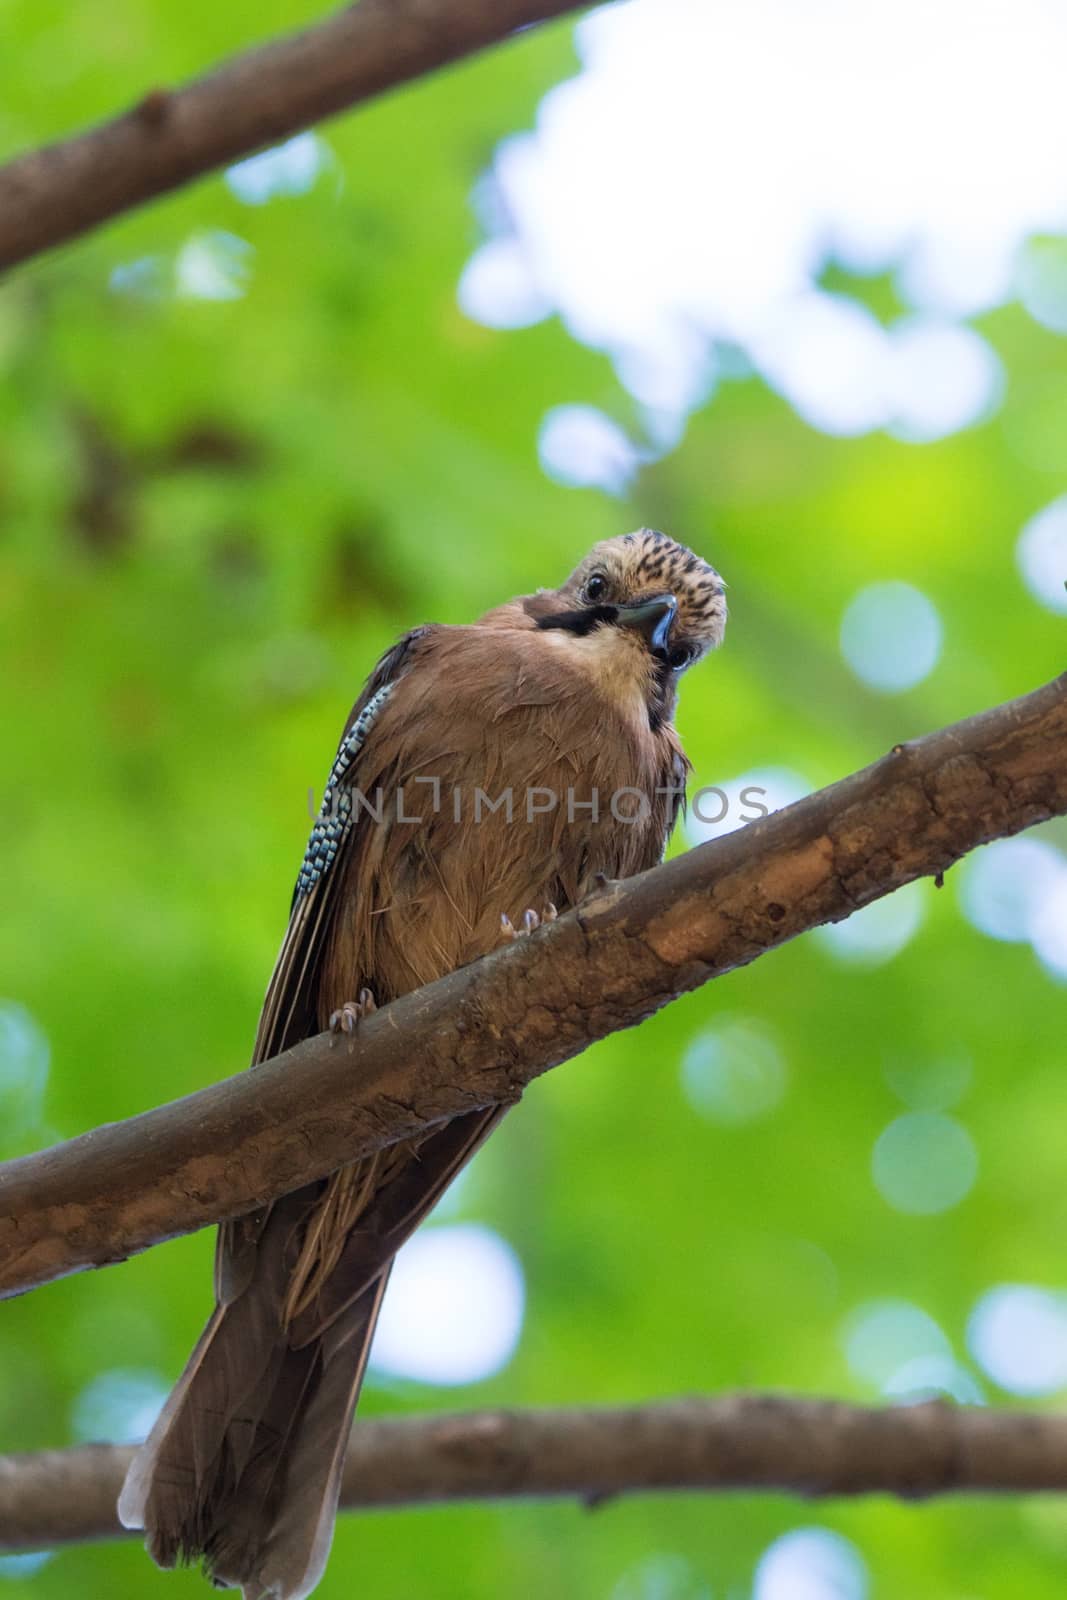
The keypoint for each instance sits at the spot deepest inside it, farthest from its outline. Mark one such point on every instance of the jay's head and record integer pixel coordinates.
(637, 612)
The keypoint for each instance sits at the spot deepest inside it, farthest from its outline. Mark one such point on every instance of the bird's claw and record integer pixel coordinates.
(348, 1017)
(531, 921)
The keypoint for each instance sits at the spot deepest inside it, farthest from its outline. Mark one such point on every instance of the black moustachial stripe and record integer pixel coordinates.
(580, 622)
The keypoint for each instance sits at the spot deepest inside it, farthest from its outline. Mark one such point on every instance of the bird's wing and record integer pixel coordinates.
(288, 1013)
(289, 1007)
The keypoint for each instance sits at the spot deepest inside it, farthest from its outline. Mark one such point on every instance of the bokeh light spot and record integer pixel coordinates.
(715, 809)
(957, 273)
(146, 278)
(25, 1564)
(1018, 1335)
(670, 380)
(1004, 887)
(874, 935)
(1049, 928)
(454, 1307)
(827, 355)
(286, 169)
(1042, 555)
(882, 1336)
(497, 289)
(927, 1377)
(214, 265)
(662, 1577)
(735, 1071)
(24, 1064)
(891, 637)
(930, 1085)
(942, 378)
(120, 1406)
(810, 1564)
(924, 1162)
(1043, 282)
(582, 448)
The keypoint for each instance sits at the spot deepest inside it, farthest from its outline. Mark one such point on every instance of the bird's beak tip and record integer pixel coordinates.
(652, 618)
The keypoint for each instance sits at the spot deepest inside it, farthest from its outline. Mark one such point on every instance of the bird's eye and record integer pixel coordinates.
(597, 587)
(679, 657)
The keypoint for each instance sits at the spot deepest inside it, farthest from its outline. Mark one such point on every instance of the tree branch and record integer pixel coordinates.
(51, 195)
(480, 1035)
(734, 1442)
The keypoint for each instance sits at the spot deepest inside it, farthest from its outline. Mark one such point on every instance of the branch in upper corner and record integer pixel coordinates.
(734, 1442)
(480, 1035)
(51, 195)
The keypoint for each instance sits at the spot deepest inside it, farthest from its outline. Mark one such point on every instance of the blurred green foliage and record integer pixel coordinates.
(213, 517)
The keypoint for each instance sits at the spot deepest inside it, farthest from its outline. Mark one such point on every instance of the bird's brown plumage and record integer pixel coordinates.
(565, 693)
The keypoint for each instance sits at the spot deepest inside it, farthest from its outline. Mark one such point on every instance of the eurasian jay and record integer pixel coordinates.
(486, 777)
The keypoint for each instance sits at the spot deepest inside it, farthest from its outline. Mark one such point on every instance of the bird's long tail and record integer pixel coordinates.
(243, 1467)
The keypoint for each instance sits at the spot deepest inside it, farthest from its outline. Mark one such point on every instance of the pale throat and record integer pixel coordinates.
(617, 663)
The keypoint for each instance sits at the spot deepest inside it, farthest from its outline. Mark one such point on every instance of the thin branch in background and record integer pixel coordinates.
(735, 1442)
(480, 1035)
(54, 194)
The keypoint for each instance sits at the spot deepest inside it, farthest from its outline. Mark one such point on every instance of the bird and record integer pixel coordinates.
(489, 776)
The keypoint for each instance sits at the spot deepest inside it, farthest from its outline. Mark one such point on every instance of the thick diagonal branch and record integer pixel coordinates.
(51, 195)
(479, 1036)
(796, 1446)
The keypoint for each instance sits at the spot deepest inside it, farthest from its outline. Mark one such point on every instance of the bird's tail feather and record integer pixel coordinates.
(242, 1469)
(290, 1560)
(205, 1432)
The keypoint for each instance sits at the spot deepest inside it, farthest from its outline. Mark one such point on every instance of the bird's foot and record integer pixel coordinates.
(531, 921)
(348, 1017)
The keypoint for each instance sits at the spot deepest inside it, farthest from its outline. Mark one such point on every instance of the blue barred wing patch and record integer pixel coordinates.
(335, 813)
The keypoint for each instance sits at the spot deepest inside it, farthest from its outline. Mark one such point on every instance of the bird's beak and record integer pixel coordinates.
(652, 619)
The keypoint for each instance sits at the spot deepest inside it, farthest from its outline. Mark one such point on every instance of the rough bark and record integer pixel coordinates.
(479, 1036)
(736, 1442)
(51, 195)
